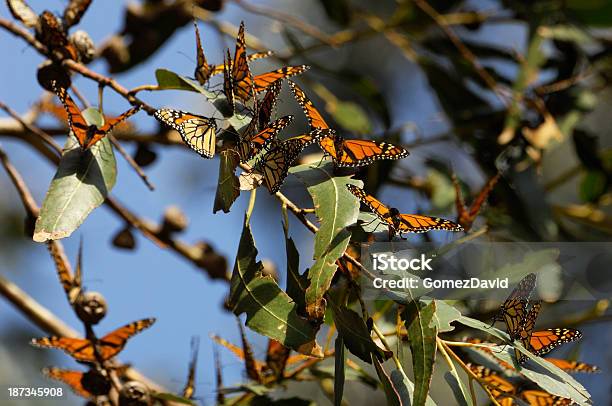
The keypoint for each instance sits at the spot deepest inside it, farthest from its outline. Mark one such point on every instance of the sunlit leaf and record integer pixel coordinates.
(336, 208)
(269, 310)
(82, 182)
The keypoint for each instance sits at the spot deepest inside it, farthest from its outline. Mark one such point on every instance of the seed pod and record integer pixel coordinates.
(84, 45)
(144, 156)
(134, 393)
(49, 71)
(125, 239)
(174, 221)
(91, 307)
(96, 382)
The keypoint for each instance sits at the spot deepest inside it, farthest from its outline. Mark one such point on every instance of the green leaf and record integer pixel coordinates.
(82, 182)
(339, 371)
(172, 398)
(296, 282)
(459, 390)
(445, 315)
(336, 208)
(269, 310)
(422, 331)
(563, 32)
(168, 80)
(592, 186)
(355, 333)
(393, 397)
(228, 187)
(596, 13)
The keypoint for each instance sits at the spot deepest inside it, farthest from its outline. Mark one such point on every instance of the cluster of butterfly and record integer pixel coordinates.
(260, 135)
(520, 315)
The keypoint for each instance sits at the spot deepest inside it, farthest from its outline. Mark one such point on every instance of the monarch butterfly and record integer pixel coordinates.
(346, 153)
(86, 134)
(204, 71)
(465, 215)
(512, 311)
(500, 387)
(228, 83)
(258, 133)
(541, 398)
(70, 378)
(544, 341)
(189, 389)
(489, 351)
(573, 366)
(107, 346)
(251, 145)
(245, 86)
(241, 75)
(277, 356)
(526, 331)
(402, 223)
(275, 164)
(198, 132)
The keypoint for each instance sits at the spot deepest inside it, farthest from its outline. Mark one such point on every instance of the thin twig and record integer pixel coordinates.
(131, 162)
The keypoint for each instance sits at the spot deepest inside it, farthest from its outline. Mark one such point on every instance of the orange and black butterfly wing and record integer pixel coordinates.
(71, 378)
(526, 331)
(500, 387)
(251, 146)
(416, 223)
(76, 122)
(218, 69)
(263, 81)
(112, 343)
(265, 108)
(541, 398)
(573, 366)
(315, 119)
(377, 207)
(228, 83)
(203, 70)
(198, 132)
(241, 75)
(109, 124)
(357, 153)
(514, 308)
(275, 164)
(544, 341)
(482, 196)
(78, 348)
(277, 356)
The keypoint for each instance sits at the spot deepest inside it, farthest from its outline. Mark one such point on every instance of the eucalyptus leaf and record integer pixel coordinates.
(269, 310)
(339, 370)
(422, 330)
(336, 208)
(82, 182)
(228, 187)
(355, 334)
